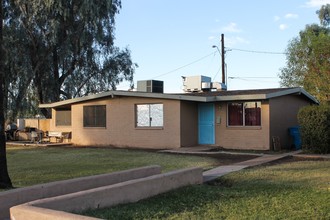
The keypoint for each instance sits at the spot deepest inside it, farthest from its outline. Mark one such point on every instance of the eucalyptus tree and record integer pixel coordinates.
(5, 181)
(67, 48)
(308, 58)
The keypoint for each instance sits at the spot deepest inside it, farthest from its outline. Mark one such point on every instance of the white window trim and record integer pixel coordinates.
(149, 126)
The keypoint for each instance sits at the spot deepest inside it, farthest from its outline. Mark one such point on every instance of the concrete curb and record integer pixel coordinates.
(22, 195)
(106, 196)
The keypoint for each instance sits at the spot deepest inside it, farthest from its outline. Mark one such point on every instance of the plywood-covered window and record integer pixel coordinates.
(95, 116)
(63, 117)
(149, 115)
(244, 114)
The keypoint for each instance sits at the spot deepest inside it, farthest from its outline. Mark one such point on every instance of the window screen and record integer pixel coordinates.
(95, 116)
(63, 117)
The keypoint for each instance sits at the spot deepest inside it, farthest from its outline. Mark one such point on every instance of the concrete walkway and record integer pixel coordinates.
(207, 150)
(223, 170)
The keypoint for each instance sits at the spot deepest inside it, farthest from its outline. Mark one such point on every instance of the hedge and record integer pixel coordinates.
(314, 124)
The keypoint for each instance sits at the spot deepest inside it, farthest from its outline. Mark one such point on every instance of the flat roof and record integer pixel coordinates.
(231, 95)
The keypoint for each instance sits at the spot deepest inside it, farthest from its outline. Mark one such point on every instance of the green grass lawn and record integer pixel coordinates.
(33, 165)
(294, 190)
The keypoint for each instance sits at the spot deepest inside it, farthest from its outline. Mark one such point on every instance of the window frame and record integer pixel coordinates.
(259, 103)
(67, 118)
(98, 122)
(149, 126)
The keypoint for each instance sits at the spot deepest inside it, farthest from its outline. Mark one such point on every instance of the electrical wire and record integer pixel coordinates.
(213, 53)
(252, 77)
(255, 51)
(181, 67)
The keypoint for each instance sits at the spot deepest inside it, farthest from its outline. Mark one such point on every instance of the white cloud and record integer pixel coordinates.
(211, 37)
(231, 28)
(289, 15)
(316, 3)
(283, 27)
(277, 18)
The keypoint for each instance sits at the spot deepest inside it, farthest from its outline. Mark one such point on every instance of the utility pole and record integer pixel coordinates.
(223, 58)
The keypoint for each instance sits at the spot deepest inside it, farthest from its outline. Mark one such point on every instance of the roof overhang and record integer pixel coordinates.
(290, 92)
(113, 94)
(183, 97)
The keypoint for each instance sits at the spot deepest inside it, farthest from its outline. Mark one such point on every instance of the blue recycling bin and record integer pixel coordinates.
(295, 133)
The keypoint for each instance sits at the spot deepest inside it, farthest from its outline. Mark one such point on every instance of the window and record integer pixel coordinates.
(149, 115)
(244, 114)
(63, 117)
(95, 116)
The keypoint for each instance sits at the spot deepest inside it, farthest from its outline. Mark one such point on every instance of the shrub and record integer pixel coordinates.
(315, 128)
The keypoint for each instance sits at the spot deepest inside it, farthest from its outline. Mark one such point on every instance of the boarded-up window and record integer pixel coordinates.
(244, 114)
(149, 115)
(95, 116)
(63, 117)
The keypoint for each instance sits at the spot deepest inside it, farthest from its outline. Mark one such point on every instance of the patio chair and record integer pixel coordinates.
(34, 136)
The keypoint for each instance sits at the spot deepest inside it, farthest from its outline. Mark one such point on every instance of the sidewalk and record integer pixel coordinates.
(223, 170)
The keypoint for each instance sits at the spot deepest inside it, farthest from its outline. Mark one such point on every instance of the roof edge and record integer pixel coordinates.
(292, 91)
(123, 93)
(183, 97)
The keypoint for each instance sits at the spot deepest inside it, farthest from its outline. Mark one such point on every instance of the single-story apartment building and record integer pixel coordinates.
(240, 119)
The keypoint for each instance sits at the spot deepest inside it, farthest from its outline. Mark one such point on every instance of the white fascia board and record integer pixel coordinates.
(241, 97)
(123, 93)
(290, 92)
(160, 96)
(283, 93)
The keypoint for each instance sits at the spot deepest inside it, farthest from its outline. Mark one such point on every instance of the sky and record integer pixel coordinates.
(173, 38)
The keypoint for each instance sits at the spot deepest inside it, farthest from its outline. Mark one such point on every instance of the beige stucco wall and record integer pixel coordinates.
(283, 115)
(120, 128)
(189, 124)
(256, 138)
(181, 125)
(41, 124)
(53, 127)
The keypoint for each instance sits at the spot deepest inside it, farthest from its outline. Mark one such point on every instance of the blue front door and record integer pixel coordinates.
(206, 123)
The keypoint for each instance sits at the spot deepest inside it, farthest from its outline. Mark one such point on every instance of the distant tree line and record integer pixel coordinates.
(308, 58)
(59, 49)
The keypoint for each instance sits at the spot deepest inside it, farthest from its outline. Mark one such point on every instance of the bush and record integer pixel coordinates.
(315, 128)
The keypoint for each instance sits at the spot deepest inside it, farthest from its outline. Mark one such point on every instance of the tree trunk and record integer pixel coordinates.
(5, 181)
(56, 75)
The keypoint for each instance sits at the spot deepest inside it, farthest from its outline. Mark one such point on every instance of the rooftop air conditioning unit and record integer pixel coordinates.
(196, 83)
(154, 86)
(218, 86)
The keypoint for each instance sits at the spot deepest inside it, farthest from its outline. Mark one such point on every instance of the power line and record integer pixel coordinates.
(252, 77)
(256, 51)
(181, 67)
